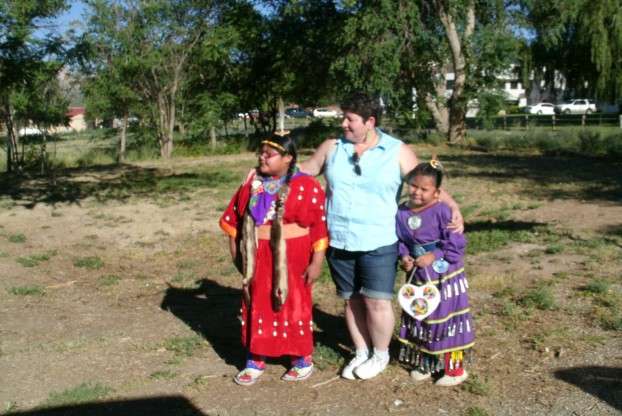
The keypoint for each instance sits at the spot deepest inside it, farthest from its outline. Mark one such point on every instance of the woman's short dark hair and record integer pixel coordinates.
(363, 104)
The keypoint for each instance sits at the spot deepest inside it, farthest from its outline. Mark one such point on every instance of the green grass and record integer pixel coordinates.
(27, 290)
(183, 346)
(162, 375)
(598, 286)
(84, 393)
(109, 280)
(477, 386)
(35, 259)
(17, 238)
(187, 264)
(325, 358)
(540, 298)
(90, 263)
(493, 239)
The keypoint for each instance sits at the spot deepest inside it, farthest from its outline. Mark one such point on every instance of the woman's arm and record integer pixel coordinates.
(314, 166)
(457, 222)
(407, 160)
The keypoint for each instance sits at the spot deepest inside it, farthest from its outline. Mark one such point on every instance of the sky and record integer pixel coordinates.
(65, 20)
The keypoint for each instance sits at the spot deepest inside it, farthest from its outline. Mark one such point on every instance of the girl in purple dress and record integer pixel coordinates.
(432, 254)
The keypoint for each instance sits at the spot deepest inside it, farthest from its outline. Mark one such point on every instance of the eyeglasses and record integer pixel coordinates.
(355, 160)
(266, 155)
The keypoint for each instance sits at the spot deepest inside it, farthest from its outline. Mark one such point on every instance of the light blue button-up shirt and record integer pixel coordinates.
(361, 209)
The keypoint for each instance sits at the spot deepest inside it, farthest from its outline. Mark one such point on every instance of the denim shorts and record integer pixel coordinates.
(367, 273)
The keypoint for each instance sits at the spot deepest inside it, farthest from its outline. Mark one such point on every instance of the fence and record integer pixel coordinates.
(527, 121)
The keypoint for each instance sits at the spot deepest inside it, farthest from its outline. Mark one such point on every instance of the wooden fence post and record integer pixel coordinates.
(553, 118)
(526, 122)
(583, 121)
(621, 121)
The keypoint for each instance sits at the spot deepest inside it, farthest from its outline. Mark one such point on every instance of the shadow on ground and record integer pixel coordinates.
(594, 178)
(603, 383)
(109, 183)
(213, 310)
(157, 406)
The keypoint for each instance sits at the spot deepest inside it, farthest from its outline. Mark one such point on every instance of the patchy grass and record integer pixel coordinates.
(17, 238)
(325, 358)
(109, 280)
(35, 259)
(90, 263)
(84, 393)
(27, 291)
(475, 385)
(183, 346)
(162, 375)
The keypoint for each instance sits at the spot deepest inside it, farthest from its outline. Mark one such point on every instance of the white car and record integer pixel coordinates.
(29, 130)
(580, 106)
(541, 109)
(324, 113)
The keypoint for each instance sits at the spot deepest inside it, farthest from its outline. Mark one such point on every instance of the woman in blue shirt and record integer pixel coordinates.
(364, 169)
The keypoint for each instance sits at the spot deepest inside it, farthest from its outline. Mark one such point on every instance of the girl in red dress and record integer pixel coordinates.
(277, 232)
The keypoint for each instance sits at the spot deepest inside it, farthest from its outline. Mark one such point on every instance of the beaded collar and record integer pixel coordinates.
(263, 194)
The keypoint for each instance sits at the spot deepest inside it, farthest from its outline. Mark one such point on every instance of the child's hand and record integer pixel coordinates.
(312, 273)
(425, 260)
(408, 263)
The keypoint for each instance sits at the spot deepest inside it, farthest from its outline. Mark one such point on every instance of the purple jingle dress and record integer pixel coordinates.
(439, 341)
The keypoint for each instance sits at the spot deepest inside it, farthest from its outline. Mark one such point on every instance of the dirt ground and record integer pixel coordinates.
(166, 276)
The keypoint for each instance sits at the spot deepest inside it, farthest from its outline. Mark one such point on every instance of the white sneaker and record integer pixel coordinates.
(347, 371)
(419, 376)
(450, 381)
(371, 368)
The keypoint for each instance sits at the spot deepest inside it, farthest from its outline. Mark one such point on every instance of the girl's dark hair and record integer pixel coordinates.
(432, 169)
(289, 145)
(363, 104)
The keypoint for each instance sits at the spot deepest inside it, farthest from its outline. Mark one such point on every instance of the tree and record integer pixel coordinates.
(416, 43)
(106, 54)
(154, 41)
(580, 40)
(220, 69)
(29, 65)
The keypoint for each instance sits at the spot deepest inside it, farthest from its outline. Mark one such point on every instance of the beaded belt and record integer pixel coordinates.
(420, 250)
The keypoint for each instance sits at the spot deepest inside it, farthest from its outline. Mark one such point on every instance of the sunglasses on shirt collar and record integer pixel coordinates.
(355, 159)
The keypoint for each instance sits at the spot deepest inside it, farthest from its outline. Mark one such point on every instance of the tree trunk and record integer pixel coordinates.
(122, 144)
(457, 125)
(457, 105)
(212, 134)
(440, 115)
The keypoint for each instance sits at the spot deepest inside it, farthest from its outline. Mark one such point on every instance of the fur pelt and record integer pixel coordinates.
(279, 252)
(248, 249)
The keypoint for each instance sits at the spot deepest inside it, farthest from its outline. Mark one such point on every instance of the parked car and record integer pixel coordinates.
(579, 106)
(297, 113)
(29, 130)
(255, 114)
(324, 113)
(540, 108)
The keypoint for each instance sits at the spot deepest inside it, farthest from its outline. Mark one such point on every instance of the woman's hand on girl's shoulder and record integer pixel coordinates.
(457, 222)
(249, 176)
